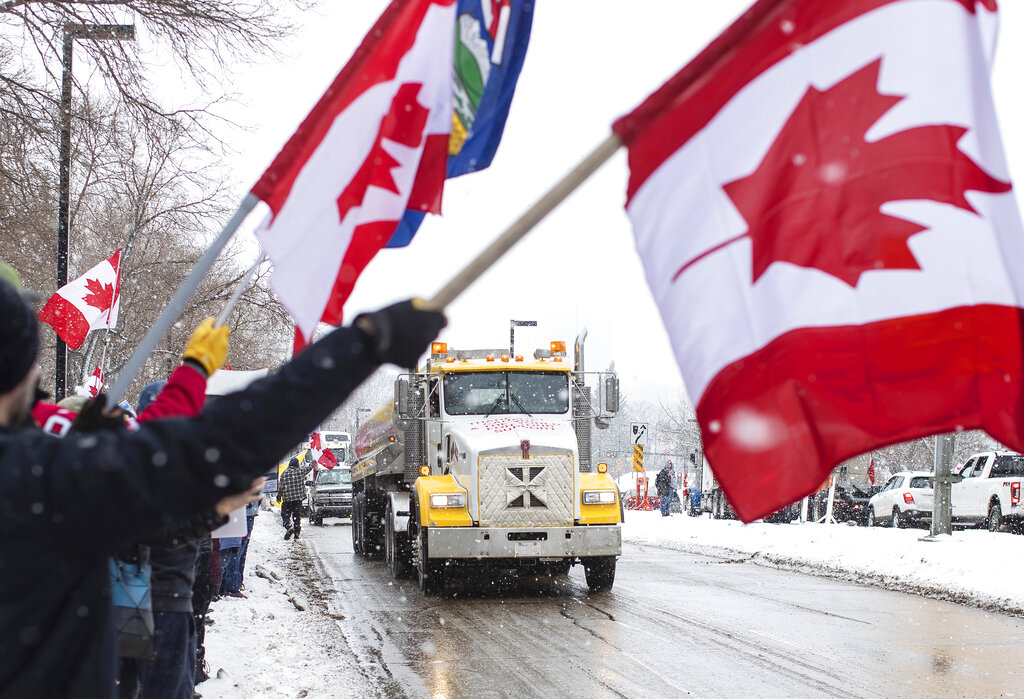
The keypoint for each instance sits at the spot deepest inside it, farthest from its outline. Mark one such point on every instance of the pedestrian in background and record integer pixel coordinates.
(665, 484)
(231, 580)
(292, 487)
(251, 511)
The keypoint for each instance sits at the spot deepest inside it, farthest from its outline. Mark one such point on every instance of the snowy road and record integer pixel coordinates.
(675, 624)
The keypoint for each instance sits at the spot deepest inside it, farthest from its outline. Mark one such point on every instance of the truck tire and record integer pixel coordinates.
(600, 572)
(430, 573)
(395, 547)
(995, 517)
(359, 525)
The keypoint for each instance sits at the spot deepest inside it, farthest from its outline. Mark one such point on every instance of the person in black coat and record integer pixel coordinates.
(67, 504)
(665, 484)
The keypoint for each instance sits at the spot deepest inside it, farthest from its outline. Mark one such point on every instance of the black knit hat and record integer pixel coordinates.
(19, 337)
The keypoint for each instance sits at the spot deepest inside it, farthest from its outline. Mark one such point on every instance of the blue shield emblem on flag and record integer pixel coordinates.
(491, 37)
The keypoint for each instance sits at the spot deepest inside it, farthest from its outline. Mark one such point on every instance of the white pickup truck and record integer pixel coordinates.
(990, 490)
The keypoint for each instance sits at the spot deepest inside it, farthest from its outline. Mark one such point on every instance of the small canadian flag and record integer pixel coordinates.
(88, 303)
(94, 384)
(321, 455)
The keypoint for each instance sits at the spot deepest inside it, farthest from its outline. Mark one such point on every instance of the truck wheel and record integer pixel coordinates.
(430, 573)
(359, 525)
(394, 547)
(600, 573)
(995, 517)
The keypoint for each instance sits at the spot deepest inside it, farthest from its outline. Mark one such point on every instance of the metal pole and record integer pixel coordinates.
(942, 510)
(237, 294)
(64, 204)
(72, 31)
(177, 303)
(514, 233)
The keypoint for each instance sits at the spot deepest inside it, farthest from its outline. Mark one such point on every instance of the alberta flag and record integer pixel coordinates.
(381, 142)
(491, 37)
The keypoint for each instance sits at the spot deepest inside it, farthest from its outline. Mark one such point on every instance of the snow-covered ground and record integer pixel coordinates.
(265, 646)
(972, 566)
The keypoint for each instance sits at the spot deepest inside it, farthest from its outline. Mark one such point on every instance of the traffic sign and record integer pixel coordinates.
(638, 432)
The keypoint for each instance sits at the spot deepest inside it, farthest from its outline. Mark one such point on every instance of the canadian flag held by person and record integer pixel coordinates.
(95, 383)
(88, 303)
(321, 455)
(375, 145)
(844, 270)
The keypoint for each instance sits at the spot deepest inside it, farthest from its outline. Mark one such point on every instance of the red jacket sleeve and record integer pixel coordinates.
(183, 396)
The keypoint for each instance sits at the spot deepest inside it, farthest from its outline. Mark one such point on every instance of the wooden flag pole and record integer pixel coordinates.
(177, 303)
(534, 215)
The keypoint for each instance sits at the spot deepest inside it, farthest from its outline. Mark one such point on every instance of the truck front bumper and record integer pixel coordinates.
(524, 542)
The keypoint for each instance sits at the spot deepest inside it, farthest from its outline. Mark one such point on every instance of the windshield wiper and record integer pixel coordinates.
(521, 406)
(494, 406)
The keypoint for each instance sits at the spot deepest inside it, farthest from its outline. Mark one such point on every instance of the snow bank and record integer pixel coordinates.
(973, 566)
(264, 646)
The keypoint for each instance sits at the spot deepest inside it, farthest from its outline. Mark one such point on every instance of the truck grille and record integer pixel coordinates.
(534, 492)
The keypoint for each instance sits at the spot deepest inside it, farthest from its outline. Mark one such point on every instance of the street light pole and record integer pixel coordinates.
(72, 31)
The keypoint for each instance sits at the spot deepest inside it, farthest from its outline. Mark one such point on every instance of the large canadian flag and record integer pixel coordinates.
(88, 303)
(375, 145)
(823, 209)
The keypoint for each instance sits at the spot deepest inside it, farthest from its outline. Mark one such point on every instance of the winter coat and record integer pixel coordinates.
(67, 504)
(292, 483)
(663, 482)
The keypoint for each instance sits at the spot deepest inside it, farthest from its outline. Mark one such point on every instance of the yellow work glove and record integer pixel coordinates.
(208, 346)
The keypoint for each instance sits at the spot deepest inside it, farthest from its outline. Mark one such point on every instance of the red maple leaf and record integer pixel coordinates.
(404, 123)
(101, 295)
(815, 199)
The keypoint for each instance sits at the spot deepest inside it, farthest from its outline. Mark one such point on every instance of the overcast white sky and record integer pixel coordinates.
(588, 63)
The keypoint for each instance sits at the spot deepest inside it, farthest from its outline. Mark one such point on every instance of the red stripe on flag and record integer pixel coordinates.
(367, 241)
(817, 396)
(67, 321)
(428, 187)
(765, 34)
(374, 62)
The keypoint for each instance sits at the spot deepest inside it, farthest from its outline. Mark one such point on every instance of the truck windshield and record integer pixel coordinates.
(505, 392)
(339, 476)
(339, 453)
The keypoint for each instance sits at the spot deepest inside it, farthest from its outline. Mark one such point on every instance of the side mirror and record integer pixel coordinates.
(611, 394)
(402, 396)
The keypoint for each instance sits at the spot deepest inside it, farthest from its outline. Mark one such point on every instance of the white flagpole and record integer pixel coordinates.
(177, 303)
(534, 215)
(240, 288)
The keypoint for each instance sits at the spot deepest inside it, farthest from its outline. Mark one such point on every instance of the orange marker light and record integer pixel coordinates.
(490, 357)
(519, 357)
(450, 360)
(439, 348)
(504, 357)
(602, 468)
(424, 470)
(558, 346)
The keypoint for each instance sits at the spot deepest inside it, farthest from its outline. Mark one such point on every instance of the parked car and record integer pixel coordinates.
(330, 494)
(989, 493)
(907, 498)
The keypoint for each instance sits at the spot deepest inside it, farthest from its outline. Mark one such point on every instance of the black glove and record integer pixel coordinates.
(401, 332)
(94, 416)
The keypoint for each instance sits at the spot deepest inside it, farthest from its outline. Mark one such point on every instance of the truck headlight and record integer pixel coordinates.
(598, 497)
(439, 500)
